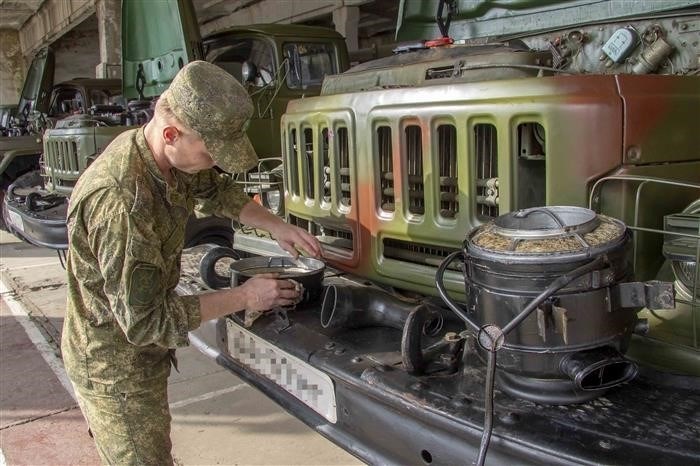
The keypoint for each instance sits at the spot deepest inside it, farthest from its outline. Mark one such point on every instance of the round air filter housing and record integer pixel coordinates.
(570, 348)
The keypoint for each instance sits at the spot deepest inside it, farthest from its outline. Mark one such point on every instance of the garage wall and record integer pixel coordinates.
(12, 67)
(77, 52)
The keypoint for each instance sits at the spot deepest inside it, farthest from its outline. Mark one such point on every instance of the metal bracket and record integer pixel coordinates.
(652, 294)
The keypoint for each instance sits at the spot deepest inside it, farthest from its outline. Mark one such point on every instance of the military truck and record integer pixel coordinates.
(508, 207)
(42, 104)
(276, 63)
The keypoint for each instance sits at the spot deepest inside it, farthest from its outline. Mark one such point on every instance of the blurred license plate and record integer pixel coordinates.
(16, 220)
(308, 384)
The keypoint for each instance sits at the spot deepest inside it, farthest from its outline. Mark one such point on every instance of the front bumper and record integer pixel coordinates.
(45, 228)
(386, 416)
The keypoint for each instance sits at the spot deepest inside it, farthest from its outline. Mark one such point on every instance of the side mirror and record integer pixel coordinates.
(248, 72)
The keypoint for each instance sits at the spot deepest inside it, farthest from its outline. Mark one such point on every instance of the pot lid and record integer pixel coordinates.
(543, 231)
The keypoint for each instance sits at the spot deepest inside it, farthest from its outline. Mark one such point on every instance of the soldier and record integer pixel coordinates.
(126, 224)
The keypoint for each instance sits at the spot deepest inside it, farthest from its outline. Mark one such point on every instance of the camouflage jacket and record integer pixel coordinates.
(126, 230)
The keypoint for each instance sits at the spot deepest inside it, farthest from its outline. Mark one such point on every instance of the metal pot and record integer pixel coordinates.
(305, 270)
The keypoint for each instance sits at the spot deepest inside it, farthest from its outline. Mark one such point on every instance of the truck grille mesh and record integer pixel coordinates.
(62, 164)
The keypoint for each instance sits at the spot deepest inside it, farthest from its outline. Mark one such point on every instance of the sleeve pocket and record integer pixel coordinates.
(144, 284)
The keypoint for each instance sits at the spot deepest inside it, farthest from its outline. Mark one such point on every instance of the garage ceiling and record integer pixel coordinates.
(376, 16)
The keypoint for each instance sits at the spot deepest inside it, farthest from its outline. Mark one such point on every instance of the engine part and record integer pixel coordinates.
(363, 306)
(682, 248)
(552, 279)
(652, 57)
(620, 45)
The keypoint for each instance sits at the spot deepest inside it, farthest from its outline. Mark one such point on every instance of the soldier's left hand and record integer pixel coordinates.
(293, 239)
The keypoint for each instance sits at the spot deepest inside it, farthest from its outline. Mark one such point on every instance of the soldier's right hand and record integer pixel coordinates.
(265, 291)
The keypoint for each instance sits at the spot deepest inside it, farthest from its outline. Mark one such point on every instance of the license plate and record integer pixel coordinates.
(305, 382)
(16, 220)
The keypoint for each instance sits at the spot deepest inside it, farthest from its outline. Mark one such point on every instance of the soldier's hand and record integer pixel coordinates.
(265, 291)
(292, 238)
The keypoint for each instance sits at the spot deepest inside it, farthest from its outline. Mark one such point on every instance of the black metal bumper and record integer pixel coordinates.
(386, 416)
(41, 228)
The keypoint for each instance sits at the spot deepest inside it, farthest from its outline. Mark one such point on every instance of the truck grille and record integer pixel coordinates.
(61, 162)
(334, 166)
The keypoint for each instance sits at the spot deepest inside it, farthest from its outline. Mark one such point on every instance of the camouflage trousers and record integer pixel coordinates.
(128, 428)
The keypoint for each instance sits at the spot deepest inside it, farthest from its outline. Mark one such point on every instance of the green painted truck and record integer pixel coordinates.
(42, 104)
(486, 112)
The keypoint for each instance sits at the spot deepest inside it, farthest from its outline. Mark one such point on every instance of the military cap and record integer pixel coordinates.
(210, 101)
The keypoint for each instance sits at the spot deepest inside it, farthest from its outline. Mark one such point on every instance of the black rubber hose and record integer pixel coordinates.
(488, 407)
(443, 292)
(362, 306)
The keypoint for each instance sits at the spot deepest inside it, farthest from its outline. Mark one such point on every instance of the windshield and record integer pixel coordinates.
(308, 63)
(250, 61)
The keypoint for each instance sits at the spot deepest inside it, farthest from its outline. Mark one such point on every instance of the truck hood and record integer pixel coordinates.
(474, 19)
(158, 39)
(37, 85)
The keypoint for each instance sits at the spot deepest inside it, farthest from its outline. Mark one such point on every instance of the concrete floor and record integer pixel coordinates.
(217, 418)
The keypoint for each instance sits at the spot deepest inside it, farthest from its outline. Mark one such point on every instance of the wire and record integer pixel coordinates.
(488, 406)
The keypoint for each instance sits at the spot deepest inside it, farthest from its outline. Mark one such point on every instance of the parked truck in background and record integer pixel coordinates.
(276, 63)
(42, 104)
(487, 113)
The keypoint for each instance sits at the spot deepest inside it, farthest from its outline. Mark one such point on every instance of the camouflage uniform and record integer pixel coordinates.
(126, 228)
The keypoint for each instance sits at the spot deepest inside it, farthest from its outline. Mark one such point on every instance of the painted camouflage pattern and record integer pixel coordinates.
(129, 428)
(126, 228)
(219, 114)
(591, 124)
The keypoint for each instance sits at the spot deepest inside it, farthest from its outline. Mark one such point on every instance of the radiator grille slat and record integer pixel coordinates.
(447, 154)
(414, 169)
(292, 163)
(326, 175)
(308, 158)
(344, 166)
(486, 151)
(386, 168)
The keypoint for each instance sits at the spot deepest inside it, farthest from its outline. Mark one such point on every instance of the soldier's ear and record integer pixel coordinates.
(170, 134)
